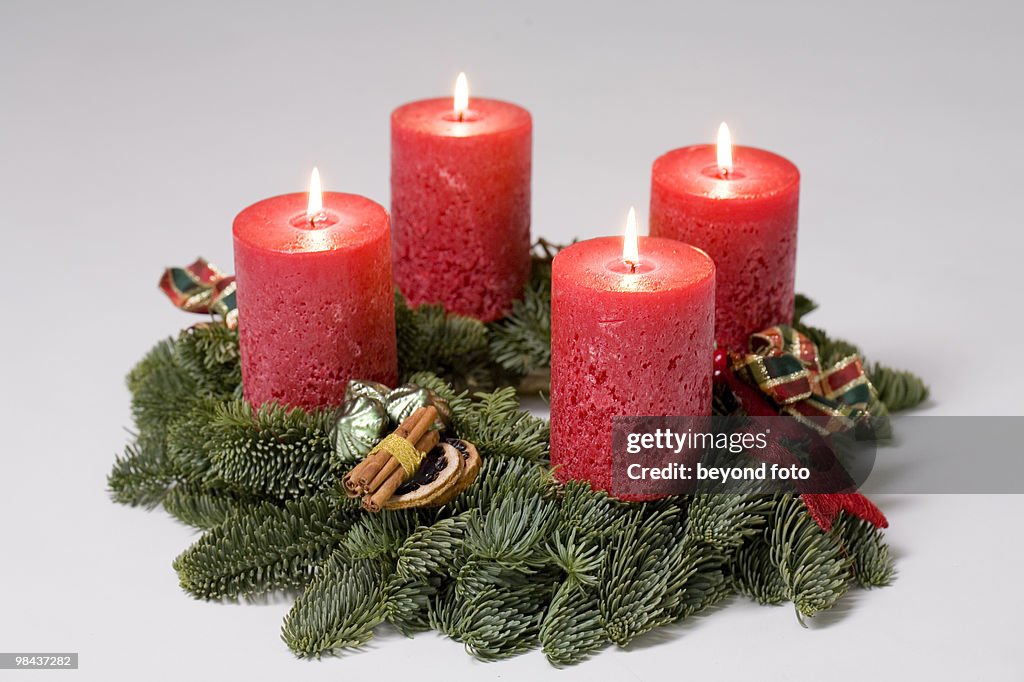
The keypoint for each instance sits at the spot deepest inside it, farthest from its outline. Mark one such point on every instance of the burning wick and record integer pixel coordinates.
(630, 246)
(724, 150)
(315, 207)
(461, 96)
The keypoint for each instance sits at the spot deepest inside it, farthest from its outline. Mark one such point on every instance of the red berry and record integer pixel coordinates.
(720, 363)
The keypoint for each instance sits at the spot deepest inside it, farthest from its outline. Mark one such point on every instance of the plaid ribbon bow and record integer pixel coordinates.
(202, 288)
(784, 364)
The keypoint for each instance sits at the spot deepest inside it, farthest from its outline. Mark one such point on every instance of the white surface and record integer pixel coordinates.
(130, 136)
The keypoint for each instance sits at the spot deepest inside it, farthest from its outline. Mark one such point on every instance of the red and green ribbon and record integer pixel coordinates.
(782, 374)
(202, 288)
(784, 364)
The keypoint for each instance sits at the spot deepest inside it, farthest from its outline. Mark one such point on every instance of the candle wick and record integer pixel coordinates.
(462, 115)
(724, 172)
(632, 267)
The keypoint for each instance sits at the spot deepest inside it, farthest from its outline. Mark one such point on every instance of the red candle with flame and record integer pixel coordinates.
(740, 206)
(315, 299)
(632, 334)
(460, 202)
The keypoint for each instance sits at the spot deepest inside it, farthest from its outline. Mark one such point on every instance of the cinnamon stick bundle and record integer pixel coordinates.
(378, 476)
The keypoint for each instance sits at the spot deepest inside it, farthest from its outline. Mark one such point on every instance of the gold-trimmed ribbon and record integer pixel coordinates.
(202, 288)
(785, 365)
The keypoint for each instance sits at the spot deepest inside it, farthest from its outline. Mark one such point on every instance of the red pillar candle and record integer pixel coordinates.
(315, 300)
(625, 342)
(460, 203)
(743, 213)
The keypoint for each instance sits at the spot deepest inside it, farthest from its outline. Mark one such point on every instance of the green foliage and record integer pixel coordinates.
(872, 564)
(263, 549)
(209, 354)
(407, 604)
(499, 428)
(431, 550)
(754, 574)
(140, 477)
(515, 562)
(802, 305)
(812, 565)
(272, 451)
(572, 629)
(898, 389)
(634, 594)
(470, 354)
(498, 621)
(379, 536)
(726, 521)
(521, 341)
(449, 345)
(203, 508)
(339, 609)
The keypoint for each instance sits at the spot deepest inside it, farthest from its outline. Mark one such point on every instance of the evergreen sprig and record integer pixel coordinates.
(273, 451)
(339, 609)
(468, 353)
(262, 549)
(812, 565)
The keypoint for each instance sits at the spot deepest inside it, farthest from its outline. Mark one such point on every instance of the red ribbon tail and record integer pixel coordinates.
(825, 508)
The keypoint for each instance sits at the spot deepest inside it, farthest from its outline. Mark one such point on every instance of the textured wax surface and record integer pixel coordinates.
(460, 205)
(625, 345)
(316, 307)
(747, 224)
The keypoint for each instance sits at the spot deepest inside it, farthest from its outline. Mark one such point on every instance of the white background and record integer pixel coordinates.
(130, 135)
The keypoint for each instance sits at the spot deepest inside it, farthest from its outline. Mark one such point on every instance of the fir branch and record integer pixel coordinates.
(339, 609)
(141, 476)
(498, 428)
(634, 581)
(726, 521)
(263, 549)
(696, 577)
(496, 474)
(161, 389)
(589, 513)
(512, 532)
(431, 550)
(189, 437)
(202, 508)
(811, 563)
(407, 604)
(580, 560)
(432, 340)
(802, 305)
(272, 451)
(572, 629)
(521, 342)
(754, 574)
(478, 574)
(210, 354)
(379, 536)
(872, 564)
(496, 622)
(898, 389)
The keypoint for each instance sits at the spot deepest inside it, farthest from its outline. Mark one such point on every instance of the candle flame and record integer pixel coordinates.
(461, 96)
(316, 196)
(724, 149)
(630, 245)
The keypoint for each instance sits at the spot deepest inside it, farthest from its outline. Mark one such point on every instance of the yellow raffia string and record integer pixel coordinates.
(402, 450)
